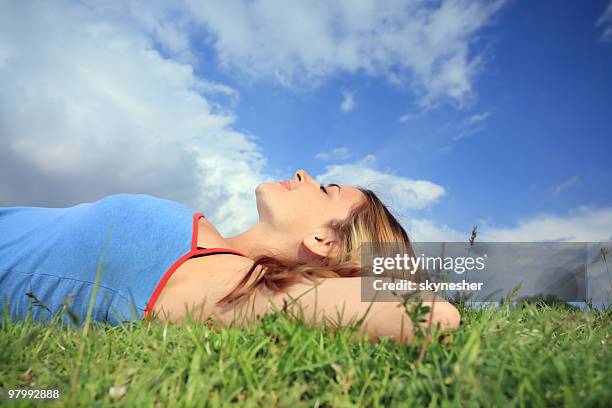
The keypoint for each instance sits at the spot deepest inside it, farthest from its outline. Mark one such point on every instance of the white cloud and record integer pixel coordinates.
(472, 125)
(400, 193)
(583, 224)
(419, 43)
(606, 21)
(89, 108)
(339, 153)
(564, 185)
(406, 117)
(348, 102)
(478, 118)
(167, 27)
(425, 230)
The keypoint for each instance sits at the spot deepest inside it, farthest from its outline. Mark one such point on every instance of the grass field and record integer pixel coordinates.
(507, 356)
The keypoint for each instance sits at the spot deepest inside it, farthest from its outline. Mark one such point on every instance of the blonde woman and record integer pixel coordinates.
(153, 258)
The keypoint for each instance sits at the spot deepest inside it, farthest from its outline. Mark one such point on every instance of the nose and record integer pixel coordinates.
(303, 177)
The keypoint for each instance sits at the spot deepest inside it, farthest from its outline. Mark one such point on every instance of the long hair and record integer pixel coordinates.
(369, 222)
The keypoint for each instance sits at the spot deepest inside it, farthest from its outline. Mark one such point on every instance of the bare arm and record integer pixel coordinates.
(339, 300)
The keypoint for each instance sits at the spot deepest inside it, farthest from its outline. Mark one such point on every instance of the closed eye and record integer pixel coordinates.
(323, 189)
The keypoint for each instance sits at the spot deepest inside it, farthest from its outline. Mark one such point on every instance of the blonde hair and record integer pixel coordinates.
(369, 221)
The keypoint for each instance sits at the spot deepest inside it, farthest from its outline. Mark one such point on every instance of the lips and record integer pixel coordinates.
(286, 184)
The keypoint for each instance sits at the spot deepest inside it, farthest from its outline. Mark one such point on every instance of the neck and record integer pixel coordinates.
(258, 241)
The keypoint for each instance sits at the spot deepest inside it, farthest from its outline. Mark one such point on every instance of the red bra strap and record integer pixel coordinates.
(194, 252)
(194, 230)
(195, 249)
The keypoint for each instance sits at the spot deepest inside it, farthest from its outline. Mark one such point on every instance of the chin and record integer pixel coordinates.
(264, 194)
(265, 188)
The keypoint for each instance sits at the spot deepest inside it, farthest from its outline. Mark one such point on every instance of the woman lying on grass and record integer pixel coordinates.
(302, 256)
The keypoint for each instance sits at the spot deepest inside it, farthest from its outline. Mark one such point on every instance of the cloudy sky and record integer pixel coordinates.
(458, 112)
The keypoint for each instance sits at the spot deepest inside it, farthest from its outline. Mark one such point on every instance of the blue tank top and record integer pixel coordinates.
(49, 256)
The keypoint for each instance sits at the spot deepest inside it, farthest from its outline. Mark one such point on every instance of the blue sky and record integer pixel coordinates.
(459, 112)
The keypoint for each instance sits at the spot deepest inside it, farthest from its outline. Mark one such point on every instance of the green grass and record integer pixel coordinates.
(506, 356)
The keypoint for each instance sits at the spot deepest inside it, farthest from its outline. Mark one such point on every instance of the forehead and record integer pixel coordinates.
(351, 195)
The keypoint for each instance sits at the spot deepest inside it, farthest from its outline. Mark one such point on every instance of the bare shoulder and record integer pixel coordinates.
(198, 284)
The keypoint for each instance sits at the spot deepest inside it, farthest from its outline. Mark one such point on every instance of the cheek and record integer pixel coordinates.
(290, 212)
(303, 213)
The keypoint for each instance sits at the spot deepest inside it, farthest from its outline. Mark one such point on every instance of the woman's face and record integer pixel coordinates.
(299, 206)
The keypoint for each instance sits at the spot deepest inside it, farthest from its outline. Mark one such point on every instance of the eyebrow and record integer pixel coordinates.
(335, 185)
